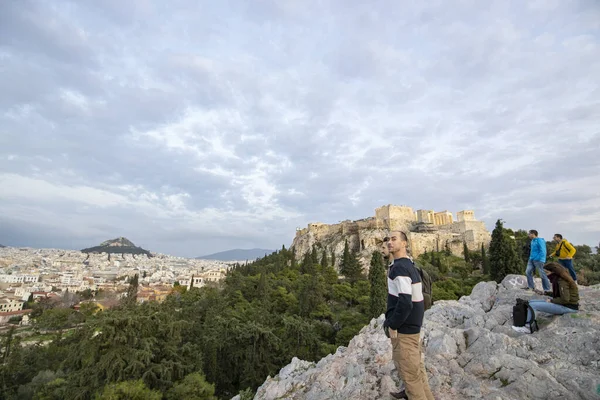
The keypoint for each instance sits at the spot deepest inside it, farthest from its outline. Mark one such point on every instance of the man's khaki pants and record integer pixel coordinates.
(410, 365)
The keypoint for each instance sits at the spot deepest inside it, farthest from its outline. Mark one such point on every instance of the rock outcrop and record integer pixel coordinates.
(471, 352)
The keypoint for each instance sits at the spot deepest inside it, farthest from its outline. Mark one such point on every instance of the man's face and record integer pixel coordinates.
(556, 239)
(531, 235)
(396, 243)
(385, 251)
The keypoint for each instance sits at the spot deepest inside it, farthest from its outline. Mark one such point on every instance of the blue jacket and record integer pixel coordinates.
(538, 250)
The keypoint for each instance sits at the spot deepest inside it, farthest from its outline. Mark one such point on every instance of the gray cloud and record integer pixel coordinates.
(191, 128)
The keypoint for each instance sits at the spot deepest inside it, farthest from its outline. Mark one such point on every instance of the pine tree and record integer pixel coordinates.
(504, 259)
(466, 252)
(484, 261)
(378, 281)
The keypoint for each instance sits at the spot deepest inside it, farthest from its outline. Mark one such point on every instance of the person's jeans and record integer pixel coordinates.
(568, 264)
(539, 265)
(549, 308)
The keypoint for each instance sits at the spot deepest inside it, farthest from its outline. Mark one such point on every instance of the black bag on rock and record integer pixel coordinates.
(520, 315)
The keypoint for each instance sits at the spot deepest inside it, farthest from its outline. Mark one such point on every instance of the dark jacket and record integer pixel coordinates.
(405, 305)
(564, 292)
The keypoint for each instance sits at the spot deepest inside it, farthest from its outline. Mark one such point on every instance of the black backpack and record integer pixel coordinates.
(426, 285)
(520, 315)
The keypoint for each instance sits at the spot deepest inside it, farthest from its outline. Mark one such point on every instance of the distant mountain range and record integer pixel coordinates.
(237, 255)
(2, 245)
(119, 245)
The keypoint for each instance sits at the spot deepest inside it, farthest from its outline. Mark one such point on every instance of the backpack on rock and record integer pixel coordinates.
(520, 315)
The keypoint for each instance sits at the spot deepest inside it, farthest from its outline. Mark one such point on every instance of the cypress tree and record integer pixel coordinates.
(307, 266)
(293, 258)
(132, 291)
(324, 260)
(504, 259)
(466, 252)
(332, 258)
(345, 264)
(484, 261)
(262, 286)
(441, 267)
(354, 270)
(378, 281)
(314, 256)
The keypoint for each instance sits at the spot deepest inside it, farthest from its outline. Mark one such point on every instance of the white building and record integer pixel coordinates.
(8, 304)
(19, 278)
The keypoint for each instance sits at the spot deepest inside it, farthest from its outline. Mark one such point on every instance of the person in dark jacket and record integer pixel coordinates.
(565, 295)
(403, 320)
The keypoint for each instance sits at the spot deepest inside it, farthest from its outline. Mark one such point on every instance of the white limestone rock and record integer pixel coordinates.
(471, 353)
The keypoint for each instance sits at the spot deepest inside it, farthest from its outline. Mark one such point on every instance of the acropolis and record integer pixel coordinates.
(426, 230)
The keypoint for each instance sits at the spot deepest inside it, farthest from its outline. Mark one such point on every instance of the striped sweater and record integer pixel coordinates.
(405, 305)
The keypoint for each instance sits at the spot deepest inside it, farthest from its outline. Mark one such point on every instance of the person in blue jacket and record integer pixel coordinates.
(537, 259)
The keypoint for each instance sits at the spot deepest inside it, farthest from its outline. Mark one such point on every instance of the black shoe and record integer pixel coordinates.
(399, 395)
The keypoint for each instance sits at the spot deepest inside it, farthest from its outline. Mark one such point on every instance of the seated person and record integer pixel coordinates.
(565, 295)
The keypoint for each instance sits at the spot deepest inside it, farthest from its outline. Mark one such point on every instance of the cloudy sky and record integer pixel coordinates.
(198, 126)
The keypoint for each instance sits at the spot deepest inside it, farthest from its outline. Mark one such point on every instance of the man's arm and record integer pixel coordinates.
(570, 249)
(543, 249)
(565, 295)
(553, 254)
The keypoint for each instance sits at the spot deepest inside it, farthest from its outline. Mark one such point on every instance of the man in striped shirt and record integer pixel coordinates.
(404, 318)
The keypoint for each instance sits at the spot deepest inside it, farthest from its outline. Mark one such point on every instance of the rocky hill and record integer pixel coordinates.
(471, 353)
(119, 245)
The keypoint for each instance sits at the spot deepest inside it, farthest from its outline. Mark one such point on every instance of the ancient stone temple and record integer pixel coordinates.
(426, 230)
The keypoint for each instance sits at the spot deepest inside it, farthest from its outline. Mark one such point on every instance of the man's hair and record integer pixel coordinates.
(403, 236)
(533, 231)
(558, 235)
